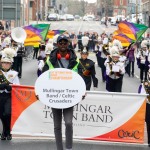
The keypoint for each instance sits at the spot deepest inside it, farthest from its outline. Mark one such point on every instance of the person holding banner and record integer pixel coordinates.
(145, 88)
(63, 57)
(115, 71)
(7, 78)
(88, 70)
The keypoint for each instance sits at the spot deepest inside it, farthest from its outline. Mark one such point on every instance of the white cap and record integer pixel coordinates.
(117, 43)
(114, 51)
(144, 44)
(7, 55)
(105, 41)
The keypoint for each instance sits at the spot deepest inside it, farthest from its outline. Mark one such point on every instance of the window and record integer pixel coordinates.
(121, 2)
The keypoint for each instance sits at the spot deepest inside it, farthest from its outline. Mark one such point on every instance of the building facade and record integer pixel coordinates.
(146, 12)
(120, 7)
(105, 8)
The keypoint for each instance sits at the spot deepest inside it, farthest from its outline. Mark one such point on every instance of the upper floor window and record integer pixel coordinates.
(121, 2)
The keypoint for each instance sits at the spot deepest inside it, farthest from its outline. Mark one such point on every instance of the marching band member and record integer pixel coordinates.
(79, 36)
(42, 49)
(142, 60)
(88, 70)
(131, 58)
(104, 53)
(7, 77)
(145, 88)
(36, 50)
(49, 46)
(41, 63)
(41, 60)
(85, 41)
(115, 71)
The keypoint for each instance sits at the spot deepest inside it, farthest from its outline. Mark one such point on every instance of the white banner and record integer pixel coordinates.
(101, 116)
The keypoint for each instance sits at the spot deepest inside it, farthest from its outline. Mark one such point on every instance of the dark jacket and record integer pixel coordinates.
(53, 59)
(88, 73)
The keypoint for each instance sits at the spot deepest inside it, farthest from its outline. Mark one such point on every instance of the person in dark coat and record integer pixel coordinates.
(63, 57)
(88, 70)
(145, 89)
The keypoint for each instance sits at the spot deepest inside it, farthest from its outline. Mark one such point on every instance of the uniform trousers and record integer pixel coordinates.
(5, 112)
(114, 85)
(143, 70)
(57, 118)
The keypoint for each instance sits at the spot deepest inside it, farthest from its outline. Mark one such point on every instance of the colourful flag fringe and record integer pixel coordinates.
(36, 33)
(52, 33)
(128, 32)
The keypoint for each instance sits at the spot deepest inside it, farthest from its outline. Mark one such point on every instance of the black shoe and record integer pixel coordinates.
(9, 137)
(3, 137)
(104, 80)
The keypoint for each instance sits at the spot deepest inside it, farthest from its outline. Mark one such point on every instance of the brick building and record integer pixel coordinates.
(120, 7)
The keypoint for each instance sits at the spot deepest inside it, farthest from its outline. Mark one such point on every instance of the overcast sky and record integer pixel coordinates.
(91, 1)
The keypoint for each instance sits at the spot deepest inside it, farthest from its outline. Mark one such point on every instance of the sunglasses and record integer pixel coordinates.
(63, 43)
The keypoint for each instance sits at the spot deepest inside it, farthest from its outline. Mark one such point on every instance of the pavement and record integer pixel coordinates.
(49, 144)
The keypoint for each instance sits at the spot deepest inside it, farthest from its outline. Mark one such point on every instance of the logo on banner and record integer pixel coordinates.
(60, 75)
(60, 88)
(127, 134)
(23, 95)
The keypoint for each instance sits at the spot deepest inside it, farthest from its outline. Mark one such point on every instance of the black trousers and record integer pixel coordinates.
(35, 54)
(17, 65)
(143, 71)
(88, 82)
(79, 46)
(5, 112)
(130, 65)
(114, 85)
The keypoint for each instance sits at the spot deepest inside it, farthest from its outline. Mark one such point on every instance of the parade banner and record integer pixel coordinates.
(100, 116)
(58, 88)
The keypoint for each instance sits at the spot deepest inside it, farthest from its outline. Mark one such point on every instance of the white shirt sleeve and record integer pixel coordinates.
(16, 80)
(138, 55)
(122, 68)
(40, 64)
(107, 69)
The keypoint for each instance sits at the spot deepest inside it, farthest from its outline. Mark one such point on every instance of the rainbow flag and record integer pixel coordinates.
(36, 33)
(52, 33)
(131, 31)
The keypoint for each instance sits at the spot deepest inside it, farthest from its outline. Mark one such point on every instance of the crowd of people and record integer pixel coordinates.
(113, 59)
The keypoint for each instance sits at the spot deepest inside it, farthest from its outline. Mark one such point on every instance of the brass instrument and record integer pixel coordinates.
(147, 89)
(106, 49)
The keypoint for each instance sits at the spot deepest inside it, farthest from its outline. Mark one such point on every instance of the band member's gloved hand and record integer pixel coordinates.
(37, 97)
(3, 86)
(83, 97)
(8, 87)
